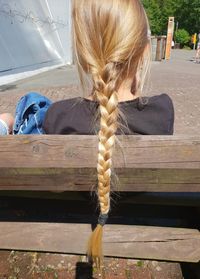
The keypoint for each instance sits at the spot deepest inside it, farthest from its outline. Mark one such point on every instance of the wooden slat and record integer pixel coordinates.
(123, 241)
(133, 180)
(81, 152)
(62, 163)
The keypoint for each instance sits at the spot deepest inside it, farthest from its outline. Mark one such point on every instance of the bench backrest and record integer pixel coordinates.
(142, 163)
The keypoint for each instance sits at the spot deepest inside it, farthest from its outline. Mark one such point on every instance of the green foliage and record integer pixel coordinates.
(154, 15)
(182, 37)
(186, 13)
(168, 9)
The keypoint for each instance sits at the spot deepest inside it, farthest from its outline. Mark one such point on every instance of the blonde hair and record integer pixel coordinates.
(110, 37)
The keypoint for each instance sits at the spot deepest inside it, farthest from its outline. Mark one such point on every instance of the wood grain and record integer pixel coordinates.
(68, 163)
(123, 241)
(81, 151)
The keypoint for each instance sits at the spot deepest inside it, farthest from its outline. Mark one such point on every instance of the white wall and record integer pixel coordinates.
(34, 34)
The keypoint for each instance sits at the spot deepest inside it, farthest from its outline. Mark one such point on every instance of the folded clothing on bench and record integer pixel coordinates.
(30, 112)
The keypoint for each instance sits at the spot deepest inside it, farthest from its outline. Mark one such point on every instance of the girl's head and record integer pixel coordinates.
(110, 34)
(111, 39)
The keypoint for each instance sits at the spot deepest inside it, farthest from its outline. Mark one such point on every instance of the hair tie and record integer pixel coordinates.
(102, 219)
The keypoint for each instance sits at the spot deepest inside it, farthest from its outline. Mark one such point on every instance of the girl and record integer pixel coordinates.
(112, 47)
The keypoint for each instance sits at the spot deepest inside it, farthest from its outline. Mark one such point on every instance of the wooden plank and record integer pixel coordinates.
(62, 163)
(81, 152)
(133, 180)
(122, 241)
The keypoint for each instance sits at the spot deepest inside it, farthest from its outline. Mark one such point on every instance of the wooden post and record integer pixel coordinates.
(170, 34)
(158, 49)
(164, 38)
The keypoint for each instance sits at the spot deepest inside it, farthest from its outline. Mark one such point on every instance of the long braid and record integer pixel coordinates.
(110, 38)
(105, 91)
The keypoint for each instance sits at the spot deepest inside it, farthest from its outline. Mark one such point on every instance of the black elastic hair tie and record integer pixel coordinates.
(102, 219)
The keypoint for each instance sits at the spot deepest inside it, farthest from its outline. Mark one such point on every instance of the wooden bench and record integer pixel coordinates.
(146, 165)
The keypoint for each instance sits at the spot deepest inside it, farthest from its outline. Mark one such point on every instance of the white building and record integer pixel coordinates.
(35, 35)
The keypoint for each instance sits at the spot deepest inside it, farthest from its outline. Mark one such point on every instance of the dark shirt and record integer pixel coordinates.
(146, 116)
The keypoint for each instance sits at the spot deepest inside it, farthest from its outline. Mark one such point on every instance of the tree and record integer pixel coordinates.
(154, 14)
(168, 9)
(186, 12)
(182, 37)
(188, 15)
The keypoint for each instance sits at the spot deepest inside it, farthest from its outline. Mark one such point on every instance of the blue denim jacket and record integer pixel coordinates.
(30, 113)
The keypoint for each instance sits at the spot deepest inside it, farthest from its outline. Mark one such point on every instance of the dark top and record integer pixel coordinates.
(146, 116)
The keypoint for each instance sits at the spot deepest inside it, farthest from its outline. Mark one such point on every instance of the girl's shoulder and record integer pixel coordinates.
(161, 111)
(77, 103)
(69, 116)
(150, 115)
(163, 100)
(66, 103)
(157, 102)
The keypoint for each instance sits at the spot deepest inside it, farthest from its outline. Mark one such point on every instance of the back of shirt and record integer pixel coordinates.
(145, 116)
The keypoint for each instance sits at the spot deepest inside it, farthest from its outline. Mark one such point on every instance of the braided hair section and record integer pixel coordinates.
(105, 84)
(108, 101)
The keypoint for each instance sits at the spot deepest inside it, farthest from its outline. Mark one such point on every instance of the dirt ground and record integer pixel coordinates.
(31, 265)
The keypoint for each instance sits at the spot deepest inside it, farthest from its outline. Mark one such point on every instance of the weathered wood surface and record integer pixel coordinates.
(122, 241)
(81, 151)
(142, 163)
